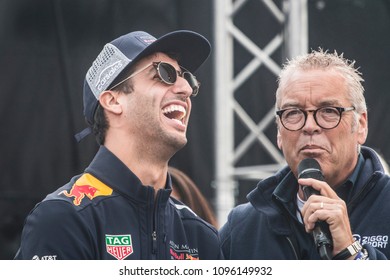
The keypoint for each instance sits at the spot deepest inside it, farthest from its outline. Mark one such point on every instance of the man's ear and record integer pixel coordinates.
(279, 141)
(362, 128)
(109, 101)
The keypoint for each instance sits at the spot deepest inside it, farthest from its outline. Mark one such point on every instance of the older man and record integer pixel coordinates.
(341, 210)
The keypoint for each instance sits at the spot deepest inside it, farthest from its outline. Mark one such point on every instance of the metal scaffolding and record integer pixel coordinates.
(293, 37)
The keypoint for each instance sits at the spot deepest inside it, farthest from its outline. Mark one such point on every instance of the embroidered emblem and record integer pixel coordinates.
(87, 186)
(119, 246)
(182, 252)
(377, 241)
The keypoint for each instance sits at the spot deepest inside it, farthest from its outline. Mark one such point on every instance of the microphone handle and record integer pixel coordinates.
(322, 241)
(308, 191)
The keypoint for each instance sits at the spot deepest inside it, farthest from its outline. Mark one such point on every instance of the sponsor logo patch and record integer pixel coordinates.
(182, 252)
(87, 186)
(377, 241)
(106, 74)
(147, 39)
(119, 246)
(46, 258)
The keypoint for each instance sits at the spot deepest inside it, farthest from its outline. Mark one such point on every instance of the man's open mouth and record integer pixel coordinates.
(175, 112)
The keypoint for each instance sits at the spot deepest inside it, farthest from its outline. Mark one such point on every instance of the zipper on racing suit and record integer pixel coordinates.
(154, 243)
(154, 225)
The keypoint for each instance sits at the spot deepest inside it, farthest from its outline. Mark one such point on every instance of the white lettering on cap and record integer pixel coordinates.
(106, 67)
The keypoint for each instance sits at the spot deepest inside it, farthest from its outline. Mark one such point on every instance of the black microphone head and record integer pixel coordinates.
(309, 168)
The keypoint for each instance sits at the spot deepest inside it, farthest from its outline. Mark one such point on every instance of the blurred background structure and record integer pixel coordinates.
(46, 47)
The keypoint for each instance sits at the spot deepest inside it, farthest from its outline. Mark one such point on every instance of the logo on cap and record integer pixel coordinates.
(147, 39)
(106, 67)
(106, 74)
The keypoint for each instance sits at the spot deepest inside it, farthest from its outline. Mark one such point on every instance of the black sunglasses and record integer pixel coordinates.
(167, 73)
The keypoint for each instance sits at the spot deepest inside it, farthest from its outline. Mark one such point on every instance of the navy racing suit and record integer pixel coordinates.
(106, 213)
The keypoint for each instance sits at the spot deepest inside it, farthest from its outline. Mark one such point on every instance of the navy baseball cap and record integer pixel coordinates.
(120, 54)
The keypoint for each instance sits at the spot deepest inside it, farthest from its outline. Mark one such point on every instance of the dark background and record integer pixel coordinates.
(46, 47)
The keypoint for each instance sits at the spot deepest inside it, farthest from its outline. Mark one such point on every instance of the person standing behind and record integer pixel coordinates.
(137, 101)
(321, 115)
(185, 190)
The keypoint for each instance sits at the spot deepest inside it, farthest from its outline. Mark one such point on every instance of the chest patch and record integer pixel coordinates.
(119, 246)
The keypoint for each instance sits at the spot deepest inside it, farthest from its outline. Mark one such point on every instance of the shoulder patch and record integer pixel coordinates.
(87, 186)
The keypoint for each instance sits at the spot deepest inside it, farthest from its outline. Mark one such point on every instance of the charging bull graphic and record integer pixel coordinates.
(87, 186)
(79, 192)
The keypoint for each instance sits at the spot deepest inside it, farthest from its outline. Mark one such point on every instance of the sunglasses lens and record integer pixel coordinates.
(167, 73)
(192, 81)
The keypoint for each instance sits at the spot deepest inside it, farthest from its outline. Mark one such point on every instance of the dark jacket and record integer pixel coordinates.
(106, 213)
(267, 226)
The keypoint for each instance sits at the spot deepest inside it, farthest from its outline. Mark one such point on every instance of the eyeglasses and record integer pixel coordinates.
(294, 119)
(167, 73)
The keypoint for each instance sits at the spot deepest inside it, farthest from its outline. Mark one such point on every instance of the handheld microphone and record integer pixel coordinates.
(310, 168)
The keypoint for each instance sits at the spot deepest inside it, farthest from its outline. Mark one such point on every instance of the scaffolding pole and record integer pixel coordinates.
(293, 37)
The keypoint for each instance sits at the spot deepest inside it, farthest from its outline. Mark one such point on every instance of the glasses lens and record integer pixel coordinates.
(192, 81)
(293, 119)
(328, 117)
(167, 73)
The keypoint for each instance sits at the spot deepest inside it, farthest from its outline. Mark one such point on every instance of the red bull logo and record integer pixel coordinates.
(87, 186)
(79, 192)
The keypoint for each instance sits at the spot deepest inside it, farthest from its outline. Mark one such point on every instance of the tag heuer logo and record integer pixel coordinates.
(119, 246)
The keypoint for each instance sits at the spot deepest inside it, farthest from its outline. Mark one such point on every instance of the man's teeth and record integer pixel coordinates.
(177, 112)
